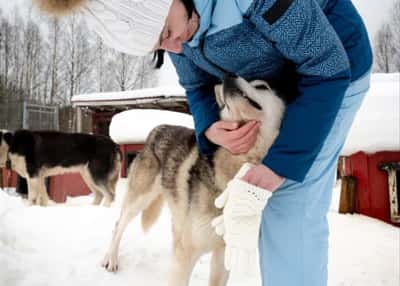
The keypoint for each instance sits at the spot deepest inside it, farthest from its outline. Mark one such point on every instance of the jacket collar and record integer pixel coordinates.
(205, 10)
(217, 15)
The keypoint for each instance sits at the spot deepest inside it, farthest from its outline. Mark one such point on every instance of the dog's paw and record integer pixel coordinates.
(110, 263)
(42, 201)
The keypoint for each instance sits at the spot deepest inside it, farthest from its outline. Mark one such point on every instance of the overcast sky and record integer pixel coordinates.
(374, 13)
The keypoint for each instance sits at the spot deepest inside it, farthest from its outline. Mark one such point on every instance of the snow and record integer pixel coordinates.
(134, 125)
(164, 91)
(376, 126)
(64, 244)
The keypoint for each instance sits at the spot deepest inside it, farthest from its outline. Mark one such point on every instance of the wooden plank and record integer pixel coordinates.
(348, 195)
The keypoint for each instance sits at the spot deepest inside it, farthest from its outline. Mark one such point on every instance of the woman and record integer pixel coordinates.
(317, 50)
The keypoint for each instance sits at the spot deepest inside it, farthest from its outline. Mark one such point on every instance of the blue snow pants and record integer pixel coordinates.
(294, 230)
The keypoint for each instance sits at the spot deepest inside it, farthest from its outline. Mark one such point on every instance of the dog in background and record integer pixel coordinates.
(36, 155)
(171, 169)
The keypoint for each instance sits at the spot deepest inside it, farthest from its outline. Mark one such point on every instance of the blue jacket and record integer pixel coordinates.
(324, 43)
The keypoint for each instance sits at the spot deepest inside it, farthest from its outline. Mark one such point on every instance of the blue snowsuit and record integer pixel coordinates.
(321, 48)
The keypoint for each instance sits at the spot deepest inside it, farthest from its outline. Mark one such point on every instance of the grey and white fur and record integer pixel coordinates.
(171, 169)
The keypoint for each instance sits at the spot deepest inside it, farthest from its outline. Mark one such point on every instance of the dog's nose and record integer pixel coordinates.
(229, 82)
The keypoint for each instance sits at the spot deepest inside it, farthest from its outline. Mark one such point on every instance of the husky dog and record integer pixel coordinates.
(36, 155)
(171, 169)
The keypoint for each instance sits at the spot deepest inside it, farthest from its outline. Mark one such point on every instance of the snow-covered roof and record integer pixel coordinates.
(129, 96)
(377, 124)
(133, 126)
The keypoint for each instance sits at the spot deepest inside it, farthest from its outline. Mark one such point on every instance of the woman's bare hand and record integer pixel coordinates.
(235, 139)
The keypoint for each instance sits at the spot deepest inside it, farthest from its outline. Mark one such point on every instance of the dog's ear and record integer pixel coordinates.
(218, 94)
(260, 85)
(8, 137)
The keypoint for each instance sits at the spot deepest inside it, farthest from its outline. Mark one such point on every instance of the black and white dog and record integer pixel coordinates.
(36, 155)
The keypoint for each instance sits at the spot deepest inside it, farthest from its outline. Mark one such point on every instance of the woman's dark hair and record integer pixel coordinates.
(158, 56)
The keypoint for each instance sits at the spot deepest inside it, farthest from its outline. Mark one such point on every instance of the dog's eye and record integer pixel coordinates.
(261, 87)
(253, 103)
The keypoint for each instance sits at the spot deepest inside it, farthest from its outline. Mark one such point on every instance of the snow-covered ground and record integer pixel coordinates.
(64, 244)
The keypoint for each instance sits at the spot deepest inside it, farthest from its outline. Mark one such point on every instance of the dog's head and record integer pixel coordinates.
(242, 101)
(5, 142)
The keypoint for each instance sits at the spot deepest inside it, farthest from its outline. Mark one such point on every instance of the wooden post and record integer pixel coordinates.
(79, 119)
(393, 172)
(1, 179)
(348, 195)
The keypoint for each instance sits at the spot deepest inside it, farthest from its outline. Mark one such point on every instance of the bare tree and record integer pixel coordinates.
(32, 65)
(16, 57)
(123, 67)
(387, 43)
(395, 27)
(5, 36)
(53, 65)
(146, 75)
(383, 50)
(80, 58)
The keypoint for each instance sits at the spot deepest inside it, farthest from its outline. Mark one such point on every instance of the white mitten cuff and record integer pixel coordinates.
(260, 196)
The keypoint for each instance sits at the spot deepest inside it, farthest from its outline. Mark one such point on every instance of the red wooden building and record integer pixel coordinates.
(377, 184)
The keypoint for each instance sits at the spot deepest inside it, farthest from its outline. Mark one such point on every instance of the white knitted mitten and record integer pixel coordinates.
(239, 224)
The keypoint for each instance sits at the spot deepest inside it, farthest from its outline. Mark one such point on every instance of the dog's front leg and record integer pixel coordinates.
(37, 193)
(32, 190)
(218, 274)
(98, 197)
(110, 261)
(183, 261)
(42, 198)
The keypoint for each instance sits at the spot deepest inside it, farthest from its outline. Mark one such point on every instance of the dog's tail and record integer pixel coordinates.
(144, 193)
(151, 214)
